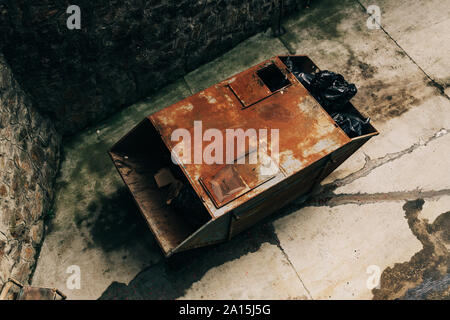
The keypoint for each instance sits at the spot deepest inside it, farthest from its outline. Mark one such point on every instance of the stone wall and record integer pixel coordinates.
(124, 50)
(29, 153)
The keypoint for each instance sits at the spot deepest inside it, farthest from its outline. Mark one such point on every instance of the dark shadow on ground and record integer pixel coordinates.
(170, 278)
(114, 222)
(118, 222)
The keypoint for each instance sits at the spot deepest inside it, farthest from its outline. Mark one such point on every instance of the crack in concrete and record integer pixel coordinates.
(364, 198)
(187, 85)
(323, 195)
(371, 164)
(292, 265)
(434, 83)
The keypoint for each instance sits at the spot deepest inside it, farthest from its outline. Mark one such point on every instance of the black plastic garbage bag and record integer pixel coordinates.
(333, 88)
(352, 125)
(296, 71)
(329, 88)
(305, 79)
(333, 92)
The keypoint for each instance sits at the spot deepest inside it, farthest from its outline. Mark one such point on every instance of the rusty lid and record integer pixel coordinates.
(268, 97)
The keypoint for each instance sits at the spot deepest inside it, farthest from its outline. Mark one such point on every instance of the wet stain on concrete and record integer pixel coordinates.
(431, 265)
(430, 290)
(441, 227)
(114, 221)
(387, 100)
(367, 70)
(327, 17)
(94, 158)
(380, 99)
(356, 64)
(379, 96)
(323, 18)
(441, 84)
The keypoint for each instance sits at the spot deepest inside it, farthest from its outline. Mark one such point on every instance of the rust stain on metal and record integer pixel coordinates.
(35, 293)
(306, 131)
(31, 293)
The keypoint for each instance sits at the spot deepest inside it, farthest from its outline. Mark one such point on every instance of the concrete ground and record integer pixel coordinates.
(384, 214)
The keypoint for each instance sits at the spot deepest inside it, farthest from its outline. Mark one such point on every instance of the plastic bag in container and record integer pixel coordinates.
(329, 88)
(352, 125)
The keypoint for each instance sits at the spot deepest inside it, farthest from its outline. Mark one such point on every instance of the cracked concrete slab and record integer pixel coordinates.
(421, 29)
(335, 36)
(410, 117)
(398, 136)
(332, 248)
(424, 168)
(415, 126)
(265, 274)
(353, 164)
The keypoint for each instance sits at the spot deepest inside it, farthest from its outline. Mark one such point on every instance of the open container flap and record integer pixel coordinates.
(138, 156)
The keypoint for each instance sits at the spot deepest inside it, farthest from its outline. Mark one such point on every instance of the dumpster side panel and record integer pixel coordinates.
(34, 293)
(342, 154)
(137, 166)
(213, 232)
(276, 198)
(293, 188)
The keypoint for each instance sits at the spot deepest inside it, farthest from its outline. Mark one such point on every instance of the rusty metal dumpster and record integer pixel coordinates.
(234, 195)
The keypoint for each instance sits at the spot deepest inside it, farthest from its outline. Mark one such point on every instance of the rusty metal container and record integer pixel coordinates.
(234, 196)
(29, 293)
